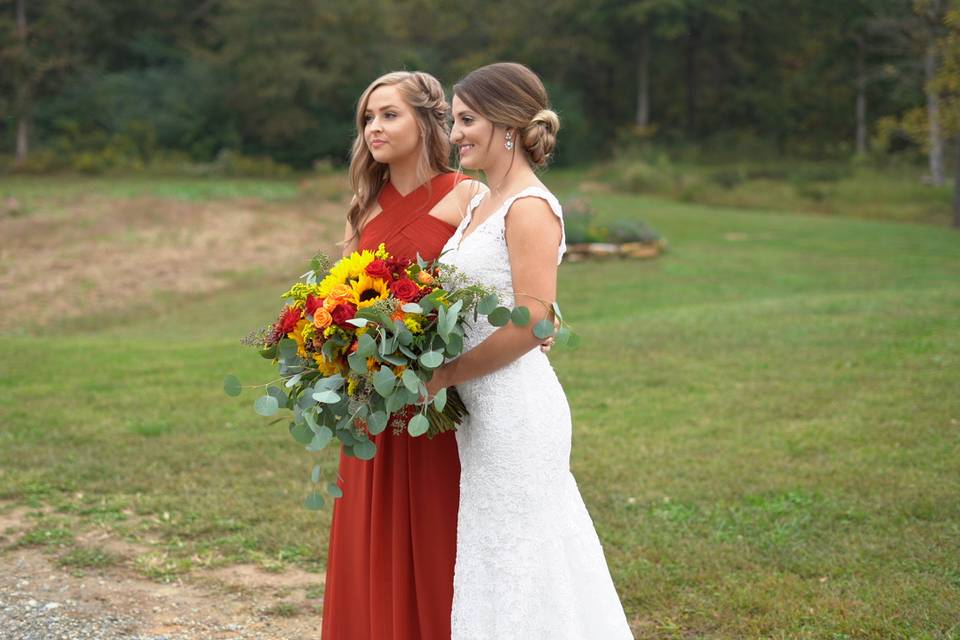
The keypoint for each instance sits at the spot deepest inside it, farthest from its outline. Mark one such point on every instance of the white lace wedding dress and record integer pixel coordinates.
(529, 564)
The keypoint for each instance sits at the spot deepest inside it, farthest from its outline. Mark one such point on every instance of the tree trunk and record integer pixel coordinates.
(956, 183)
(861, 98)
(643, 77)
(691, 49)
(23, 99)
(933, 117)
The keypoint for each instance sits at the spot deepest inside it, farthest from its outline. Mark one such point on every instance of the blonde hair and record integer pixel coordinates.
(424, 94)
(511, 95)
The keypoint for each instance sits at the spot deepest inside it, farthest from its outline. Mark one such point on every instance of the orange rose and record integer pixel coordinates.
(322, 317)
(330, 303)
(424, 278)
(341, 292)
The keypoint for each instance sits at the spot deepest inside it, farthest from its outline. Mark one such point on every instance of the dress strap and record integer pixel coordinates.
(552, 202)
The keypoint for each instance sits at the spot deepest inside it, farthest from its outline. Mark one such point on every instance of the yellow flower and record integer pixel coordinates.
(300, 290)
(352, 385)
(297, 335)
(413, 324)
(381, 252)
(346, 269)
(368, 290)
(325, 368)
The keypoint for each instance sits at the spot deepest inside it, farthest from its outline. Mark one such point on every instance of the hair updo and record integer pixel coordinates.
(511, 95)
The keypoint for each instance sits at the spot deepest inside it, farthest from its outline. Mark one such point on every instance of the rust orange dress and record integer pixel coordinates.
(394, 533)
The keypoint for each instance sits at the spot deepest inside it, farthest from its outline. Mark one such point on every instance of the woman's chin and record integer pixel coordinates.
(468, 163)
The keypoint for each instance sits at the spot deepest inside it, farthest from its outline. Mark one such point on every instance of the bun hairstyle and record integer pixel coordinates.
(424, 94)
(511, 95)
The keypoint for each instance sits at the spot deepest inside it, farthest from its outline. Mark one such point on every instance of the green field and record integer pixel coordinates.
(766, 425)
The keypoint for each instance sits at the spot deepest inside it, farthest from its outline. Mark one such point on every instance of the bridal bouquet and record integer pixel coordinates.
(356, 343)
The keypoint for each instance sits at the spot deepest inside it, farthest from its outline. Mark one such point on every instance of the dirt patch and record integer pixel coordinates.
(46, 593)
(178, 610)
(100, 255)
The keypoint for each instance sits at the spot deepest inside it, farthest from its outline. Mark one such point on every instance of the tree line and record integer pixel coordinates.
(279, 78)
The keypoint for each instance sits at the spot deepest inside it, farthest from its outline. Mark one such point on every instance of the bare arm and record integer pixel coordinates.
(533, 235)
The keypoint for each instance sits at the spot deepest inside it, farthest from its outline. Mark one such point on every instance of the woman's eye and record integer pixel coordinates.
(367, 118)
(391, 115)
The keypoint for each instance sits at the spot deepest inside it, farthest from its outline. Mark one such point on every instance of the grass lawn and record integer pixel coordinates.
(766, 426)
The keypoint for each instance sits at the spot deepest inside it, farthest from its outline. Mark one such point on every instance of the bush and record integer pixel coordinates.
(580, 226)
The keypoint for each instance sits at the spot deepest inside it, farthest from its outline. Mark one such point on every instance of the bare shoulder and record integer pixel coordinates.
(466, 190)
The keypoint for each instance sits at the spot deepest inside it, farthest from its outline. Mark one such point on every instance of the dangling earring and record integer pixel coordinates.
(509, 141)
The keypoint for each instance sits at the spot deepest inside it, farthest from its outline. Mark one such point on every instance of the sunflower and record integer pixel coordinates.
(345, 270)
(368, 290)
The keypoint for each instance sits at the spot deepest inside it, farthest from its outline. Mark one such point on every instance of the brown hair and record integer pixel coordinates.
(424, 94)
(511, 95)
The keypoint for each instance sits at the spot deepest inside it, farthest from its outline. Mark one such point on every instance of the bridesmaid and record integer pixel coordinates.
(394, 531)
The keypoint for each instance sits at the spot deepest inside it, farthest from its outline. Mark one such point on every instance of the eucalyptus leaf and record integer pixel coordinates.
(488, 304)
(410, 380)
(431, 359)
(334, 490)
(315, 474)
(357, 362)
(314, 501)
(412, 307)
(454, 346)
(543, 329)
(418, 425)
(293, 380)
(326, 396)
(287, 348)
(266, 406)
(574, 340)
(320, 440)
(395, 402)
(332, 383)
(231, 386)
(440, 399)
(499, 316)
(278, 393)
(358, 322)
(366, 345)
(562, 337)
(520, 316)
(384, 381)
(377, 422)
(301, 433)
(394, 359)
(365, 450)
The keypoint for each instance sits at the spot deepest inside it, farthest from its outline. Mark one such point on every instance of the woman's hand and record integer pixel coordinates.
(437, 382)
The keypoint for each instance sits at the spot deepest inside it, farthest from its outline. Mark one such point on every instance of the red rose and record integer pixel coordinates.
(343, 312)
(405, 289)
(313, 303)
(379, 269)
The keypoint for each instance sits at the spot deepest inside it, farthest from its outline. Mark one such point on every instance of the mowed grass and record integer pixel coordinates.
(767, 428)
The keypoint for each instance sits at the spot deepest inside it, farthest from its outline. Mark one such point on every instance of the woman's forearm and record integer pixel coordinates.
(502, 347)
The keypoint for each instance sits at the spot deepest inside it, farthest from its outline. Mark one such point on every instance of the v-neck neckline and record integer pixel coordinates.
(390, 195)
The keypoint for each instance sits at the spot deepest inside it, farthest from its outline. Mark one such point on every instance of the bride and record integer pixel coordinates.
(529, 565)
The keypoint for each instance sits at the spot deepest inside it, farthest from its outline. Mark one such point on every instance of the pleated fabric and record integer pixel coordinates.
(394, 531)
